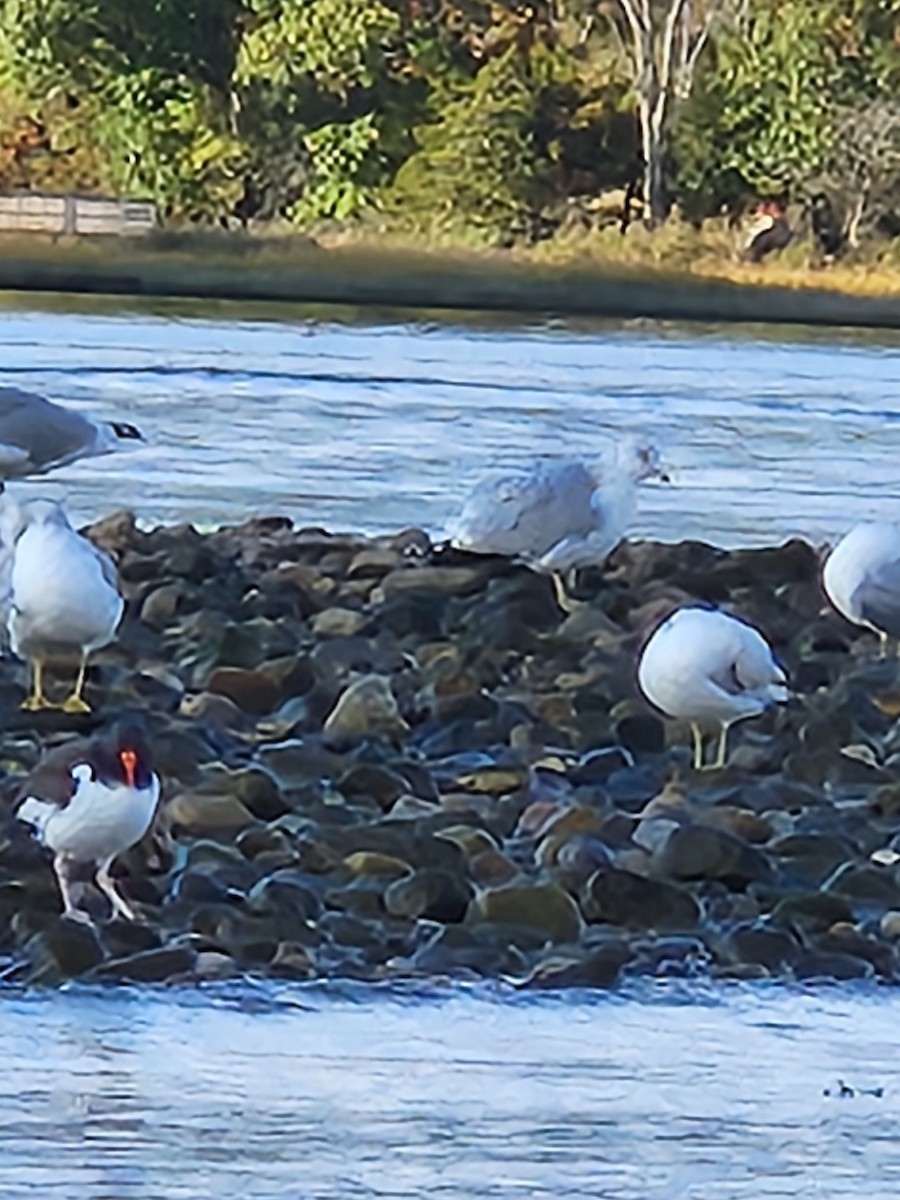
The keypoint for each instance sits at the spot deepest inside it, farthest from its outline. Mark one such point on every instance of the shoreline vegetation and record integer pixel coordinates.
(384, 760)
(548, 280)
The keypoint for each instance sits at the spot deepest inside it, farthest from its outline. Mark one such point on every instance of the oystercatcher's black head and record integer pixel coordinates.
(123, 430)
(121, 756)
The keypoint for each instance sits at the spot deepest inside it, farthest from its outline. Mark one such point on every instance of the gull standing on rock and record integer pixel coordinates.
(862, 578)
(711, 669)
(558, 517)
(61, 593)
(37, 436)
(89, 801)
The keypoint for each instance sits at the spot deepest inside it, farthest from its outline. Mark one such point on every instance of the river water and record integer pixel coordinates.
(267, 1094)
(698, 1095)
(377, 426)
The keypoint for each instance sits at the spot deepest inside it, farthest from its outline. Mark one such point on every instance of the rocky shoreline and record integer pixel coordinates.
(387, 760)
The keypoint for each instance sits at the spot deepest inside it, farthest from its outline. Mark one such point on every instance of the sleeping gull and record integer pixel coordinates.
(708, 668)
(37, 436)
(560, 516)
(61, 594)
(862, 578)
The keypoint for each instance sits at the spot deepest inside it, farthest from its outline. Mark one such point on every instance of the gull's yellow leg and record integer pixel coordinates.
(37, 699)
(566, 602)
(719, 760)
(76, 703)
(698, 747)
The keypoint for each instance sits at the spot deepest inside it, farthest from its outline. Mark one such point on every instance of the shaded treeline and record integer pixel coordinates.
(485, 122)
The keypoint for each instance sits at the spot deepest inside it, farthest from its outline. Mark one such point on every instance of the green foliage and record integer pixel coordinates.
(477, 165)
(475, 119)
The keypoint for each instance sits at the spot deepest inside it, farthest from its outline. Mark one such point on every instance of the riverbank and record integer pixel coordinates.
(299, 271)
(386, 760)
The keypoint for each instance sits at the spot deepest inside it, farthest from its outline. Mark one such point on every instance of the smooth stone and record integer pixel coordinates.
(204, 814)
(447, 581)
(491, 868)
(430, 894)
(251, 690)
(471, 840)
(372, 779)
(617, 897)
(372, 865)
(338, 622)
(694, 852)
(291, 961)
(366, 709)
(213, 965)
(866, 884)
(601, 967)
(284, 893)
(65, 949)
(641, 733)
(494, 781)
(457, 950)
(889, 925)
(847, 939)
(160, 605)
(149, 966)
(545, 908)
(820, 965)
(811, 912)
(770, 947)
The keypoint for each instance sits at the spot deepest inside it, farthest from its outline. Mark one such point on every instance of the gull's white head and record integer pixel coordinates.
(640, 460)
(45, 512)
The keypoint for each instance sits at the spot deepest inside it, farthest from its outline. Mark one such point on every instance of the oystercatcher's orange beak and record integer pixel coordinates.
(128, 759)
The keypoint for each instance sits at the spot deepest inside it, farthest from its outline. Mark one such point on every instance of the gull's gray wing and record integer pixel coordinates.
(107, 566)
(878, 598)
(528, 514)
(36, 435)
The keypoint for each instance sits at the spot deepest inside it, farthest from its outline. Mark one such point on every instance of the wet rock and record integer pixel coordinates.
(816, 965)
(371, 864)
(693, 852)
(617, 897)
(366, 709)
(204, 815)
(431, 894)
(252, 691)
(338, 622)
(65, 949)
(149, 966)
(869, 885)
(544, 908)
(599, 967)
(811, 912)
(285, 894)
(769, 947)
(457, 950)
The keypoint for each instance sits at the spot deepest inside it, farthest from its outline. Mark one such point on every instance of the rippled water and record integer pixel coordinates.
(131, 1097)
(706, 1095)
(377, 426)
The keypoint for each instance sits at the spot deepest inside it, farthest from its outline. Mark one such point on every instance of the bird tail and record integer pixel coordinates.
(35, 813)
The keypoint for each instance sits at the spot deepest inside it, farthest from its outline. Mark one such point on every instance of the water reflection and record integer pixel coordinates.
(375, 426)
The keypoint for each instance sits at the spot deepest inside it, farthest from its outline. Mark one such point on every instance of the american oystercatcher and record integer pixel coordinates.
(89, 801)
(62, 595)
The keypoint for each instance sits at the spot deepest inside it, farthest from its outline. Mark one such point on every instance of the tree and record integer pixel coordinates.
(863, 165)
(663, 40)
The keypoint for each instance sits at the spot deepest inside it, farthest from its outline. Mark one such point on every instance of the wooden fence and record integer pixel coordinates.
(37, 212)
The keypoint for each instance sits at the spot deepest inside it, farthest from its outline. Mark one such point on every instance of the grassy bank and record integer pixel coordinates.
(674, 274)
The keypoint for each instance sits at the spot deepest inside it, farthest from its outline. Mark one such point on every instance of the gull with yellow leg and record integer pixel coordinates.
(710, 669)
(61, 595)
